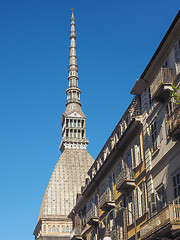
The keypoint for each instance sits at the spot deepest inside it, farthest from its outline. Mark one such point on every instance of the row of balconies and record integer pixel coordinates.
(126, 127)
(164, 223)
(125, 182)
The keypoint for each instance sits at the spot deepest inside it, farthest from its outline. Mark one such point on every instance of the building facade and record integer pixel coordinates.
(161, 131)
(63, 186)
(136, 176)
(116, 181)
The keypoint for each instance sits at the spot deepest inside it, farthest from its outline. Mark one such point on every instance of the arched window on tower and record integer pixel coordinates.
(53, 229)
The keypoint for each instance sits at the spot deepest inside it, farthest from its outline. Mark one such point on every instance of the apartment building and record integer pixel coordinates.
(161, 132)
(116, 182)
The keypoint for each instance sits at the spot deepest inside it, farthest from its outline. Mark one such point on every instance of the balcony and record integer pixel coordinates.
(162, 84)
(92, 215)
(166, 224)
(129, 123)
(76, 234)
(125, 180)
(106, 200)
(173, 124)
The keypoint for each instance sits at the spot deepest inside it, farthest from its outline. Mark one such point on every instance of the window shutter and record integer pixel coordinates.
(159, 129)
(127, 213)
(153, 202)
(133, 157)
(176, 52)
(137, 204)
(144, 198)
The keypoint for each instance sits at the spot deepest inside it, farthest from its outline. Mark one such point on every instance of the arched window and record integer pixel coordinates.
(66, 229)
(53, 229)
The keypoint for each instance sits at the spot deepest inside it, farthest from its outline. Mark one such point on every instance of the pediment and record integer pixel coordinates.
(75, 114)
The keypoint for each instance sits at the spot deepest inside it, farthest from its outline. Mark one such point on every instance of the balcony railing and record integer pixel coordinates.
(76, 233)
(92, 215)
(173, 124)
(106, 200)
(166, 222)
(125, 180)
(161, 84)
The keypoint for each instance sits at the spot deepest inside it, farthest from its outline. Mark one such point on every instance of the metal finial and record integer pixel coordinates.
(72, 9)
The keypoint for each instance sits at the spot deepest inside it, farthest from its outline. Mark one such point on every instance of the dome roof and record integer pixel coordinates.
(66, 180)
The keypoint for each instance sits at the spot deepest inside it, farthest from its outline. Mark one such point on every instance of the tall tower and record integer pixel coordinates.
(73, 120)
(71, 169)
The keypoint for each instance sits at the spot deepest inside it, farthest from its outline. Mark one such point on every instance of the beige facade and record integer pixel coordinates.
(116, 179)
(161, 130)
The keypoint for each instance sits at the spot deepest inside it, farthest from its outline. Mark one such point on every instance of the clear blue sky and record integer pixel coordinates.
(115, 41)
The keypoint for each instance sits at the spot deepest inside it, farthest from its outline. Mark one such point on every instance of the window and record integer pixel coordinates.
(136, 154)
(53, 229)
(177, 51)
(75, 123)
(79, 123)
(177, 56)
(176, 185)
(66, 229)
(130, 201)
(110, 187)
(160, 198)
(154, 136)
(169, 109)
(67, 132)
(67, 122)
(71, 133)
(82, 123)
(79, 134)
(111, 221)
(120, 224)
(75, 133)
(82, 133)
(140, 201)
(71, 122)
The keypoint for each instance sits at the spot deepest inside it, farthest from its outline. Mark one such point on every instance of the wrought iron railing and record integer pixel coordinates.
(164, 76)
(125, 174)
(92, 213)
(170, 214)
(107, 196)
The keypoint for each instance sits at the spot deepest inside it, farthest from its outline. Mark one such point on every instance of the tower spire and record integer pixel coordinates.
(73, 92)
(73, 120)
